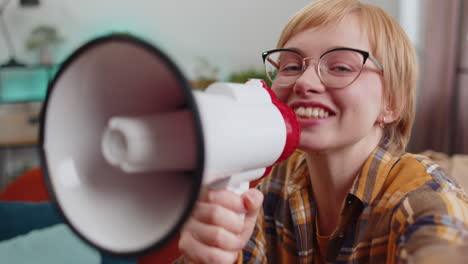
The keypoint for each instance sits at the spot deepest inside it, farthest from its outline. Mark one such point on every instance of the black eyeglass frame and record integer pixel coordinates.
(365, 54)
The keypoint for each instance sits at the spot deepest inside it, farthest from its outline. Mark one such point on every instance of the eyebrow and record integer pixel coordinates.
(296, 50)
(332, 48)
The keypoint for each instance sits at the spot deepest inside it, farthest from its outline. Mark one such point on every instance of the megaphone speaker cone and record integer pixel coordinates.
(117, 212)
(126, 144)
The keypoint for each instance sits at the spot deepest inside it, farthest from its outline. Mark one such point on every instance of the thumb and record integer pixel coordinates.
(253, 200)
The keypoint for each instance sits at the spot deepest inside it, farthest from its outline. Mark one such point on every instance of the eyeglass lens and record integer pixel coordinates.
(336, 69)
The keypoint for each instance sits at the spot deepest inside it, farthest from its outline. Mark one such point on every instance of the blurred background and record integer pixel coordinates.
(212, 40)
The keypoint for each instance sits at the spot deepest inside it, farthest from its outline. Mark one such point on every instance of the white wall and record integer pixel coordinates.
(229, 33)
(412, 16)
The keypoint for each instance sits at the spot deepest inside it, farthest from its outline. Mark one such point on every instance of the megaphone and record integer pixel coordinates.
(126, 144)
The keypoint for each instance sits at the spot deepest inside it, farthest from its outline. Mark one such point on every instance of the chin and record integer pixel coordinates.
(313, 145)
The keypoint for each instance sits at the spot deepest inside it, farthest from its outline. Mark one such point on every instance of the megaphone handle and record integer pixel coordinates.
(239, 183)
(238, 188)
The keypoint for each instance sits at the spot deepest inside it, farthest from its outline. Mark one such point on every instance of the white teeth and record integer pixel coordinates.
(311, 112)
(315, 112)
(300, 111)
(321, 113)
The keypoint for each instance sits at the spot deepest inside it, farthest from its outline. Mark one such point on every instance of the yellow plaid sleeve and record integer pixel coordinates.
(435, 215)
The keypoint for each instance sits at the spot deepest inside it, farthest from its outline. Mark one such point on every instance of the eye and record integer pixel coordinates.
(340, 68)
(291, 68)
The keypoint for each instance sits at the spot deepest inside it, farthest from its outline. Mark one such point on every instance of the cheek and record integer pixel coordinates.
(361, 103)
(282, 93)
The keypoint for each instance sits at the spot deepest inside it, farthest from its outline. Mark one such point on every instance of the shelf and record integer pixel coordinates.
(25, 84)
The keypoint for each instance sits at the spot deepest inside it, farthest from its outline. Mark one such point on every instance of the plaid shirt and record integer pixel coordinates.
(396, 206)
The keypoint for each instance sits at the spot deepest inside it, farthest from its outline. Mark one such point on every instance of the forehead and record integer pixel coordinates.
(345, 33)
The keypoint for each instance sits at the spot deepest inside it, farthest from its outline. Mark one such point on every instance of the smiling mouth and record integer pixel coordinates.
(311, 112)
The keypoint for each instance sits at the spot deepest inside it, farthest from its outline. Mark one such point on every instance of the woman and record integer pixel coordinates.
(351, 195)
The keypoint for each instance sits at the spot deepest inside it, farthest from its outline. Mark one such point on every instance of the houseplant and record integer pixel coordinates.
(41, 39)
(250, 73)
(206, 73)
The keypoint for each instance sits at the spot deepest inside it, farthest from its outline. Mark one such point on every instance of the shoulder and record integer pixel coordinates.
(412, 171)
(416, 185)
(432, 208)
(426, 190)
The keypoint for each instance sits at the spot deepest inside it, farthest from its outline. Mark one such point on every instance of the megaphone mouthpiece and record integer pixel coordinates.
(160, 142)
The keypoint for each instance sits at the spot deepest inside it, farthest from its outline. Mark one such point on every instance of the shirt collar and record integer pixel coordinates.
(373, 175)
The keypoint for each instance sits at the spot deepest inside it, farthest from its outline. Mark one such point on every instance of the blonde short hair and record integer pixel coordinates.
(389, 44)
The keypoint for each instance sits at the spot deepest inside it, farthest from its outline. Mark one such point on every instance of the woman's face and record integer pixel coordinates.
(354, 112)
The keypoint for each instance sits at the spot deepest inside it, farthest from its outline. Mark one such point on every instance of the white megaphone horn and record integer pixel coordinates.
(126, 144)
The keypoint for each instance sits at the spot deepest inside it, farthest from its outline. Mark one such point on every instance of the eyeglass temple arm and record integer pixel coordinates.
(272, 62)
(377, 63)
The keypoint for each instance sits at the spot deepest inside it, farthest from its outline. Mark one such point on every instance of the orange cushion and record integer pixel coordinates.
(29, 187)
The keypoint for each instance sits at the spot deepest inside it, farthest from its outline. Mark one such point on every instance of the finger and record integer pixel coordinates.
(196, 252)
(225, 198)
(215, 236)
(253, 200)
(217, 215)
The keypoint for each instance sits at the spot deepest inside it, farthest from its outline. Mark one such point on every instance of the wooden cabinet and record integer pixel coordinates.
(22, 90)
(19, 123)
(19, 129)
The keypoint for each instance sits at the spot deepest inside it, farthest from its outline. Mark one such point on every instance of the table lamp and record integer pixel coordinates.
(12, 62)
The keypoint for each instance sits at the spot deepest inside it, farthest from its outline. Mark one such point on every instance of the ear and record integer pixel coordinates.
(387, 116)
(389, 111)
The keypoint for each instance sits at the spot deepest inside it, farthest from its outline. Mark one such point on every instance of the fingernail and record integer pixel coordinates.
(254, 197)
(211, 196)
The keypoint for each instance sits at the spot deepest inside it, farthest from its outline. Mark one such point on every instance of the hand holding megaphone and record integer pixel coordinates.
(126, 144)
(215, 233)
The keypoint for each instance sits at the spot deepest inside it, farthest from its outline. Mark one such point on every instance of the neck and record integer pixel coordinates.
(332, 174)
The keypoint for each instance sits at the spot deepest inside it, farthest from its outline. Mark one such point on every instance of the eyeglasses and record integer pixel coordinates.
(336, 68)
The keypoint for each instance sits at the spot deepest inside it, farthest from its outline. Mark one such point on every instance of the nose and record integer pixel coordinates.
(309, 82)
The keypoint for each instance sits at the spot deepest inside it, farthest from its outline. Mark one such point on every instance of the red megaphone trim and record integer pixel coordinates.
(293, 128)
